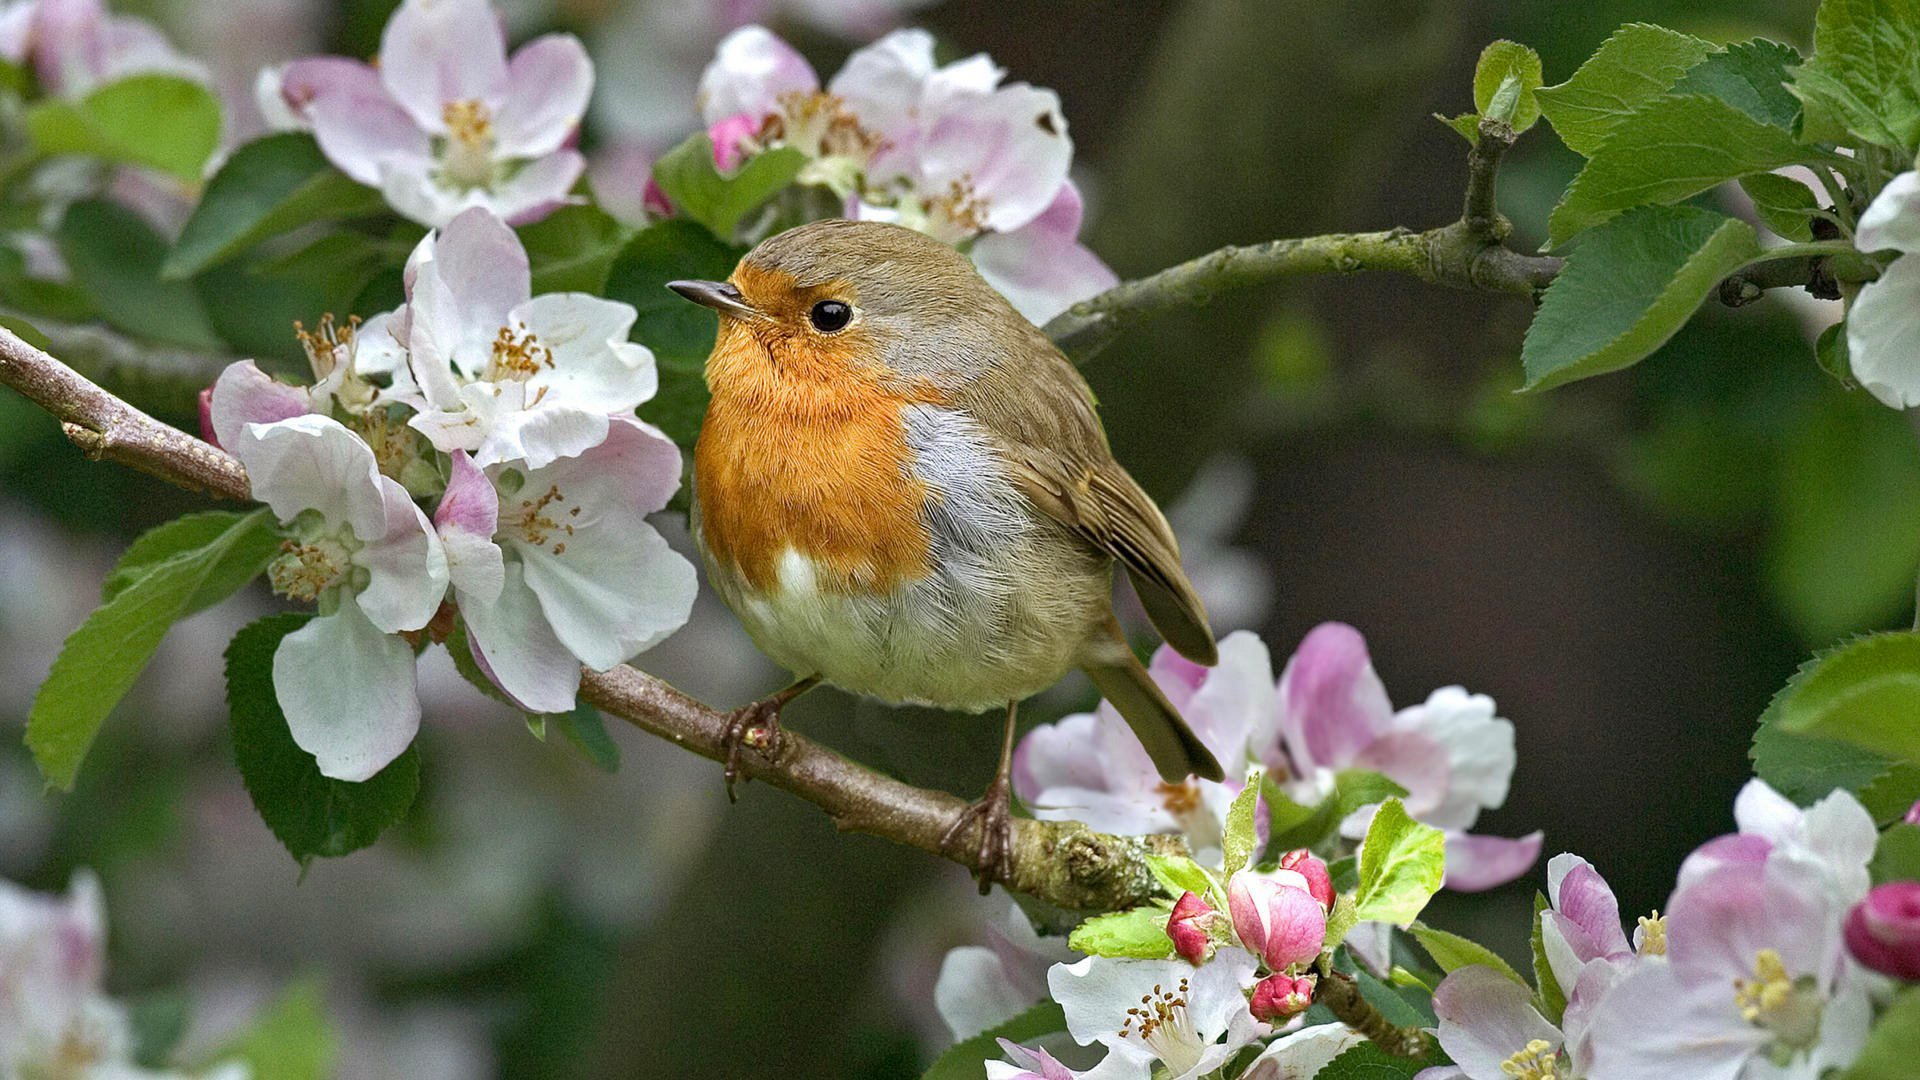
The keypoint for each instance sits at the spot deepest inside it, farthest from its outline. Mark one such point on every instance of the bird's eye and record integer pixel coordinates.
(830, 315)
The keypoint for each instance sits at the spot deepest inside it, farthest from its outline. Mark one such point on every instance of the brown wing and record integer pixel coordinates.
(1043, 410)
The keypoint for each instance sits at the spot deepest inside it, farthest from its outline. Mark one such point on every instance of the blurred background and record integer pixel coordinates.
(1629, 566)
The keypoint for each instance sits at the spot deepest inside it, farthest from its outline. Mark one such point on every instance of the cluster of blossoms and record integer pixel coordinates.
(54, 1019)
(949, 150)
(1883, 323)
(75, 45)
(513, 415)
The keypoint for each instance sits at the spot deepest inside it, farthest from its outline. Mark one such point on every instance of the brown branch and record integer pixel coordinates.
(1341, 995)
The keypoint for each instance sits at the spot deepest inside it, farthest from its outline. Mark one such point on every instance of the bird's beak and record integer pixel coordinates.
(721, 296)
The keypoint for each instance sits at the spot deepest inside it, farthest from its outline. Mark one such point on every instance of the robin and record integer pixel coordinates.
(902, 489)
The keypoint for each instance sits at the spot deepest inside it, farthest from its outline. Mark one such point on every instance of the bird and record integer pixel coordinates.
(902, 489)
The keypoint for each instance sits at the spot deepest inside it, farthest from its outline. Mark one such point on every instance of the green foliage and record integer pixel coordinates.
(1499, 62)
(1547, 995)
(1341, 920)
(252, 549)
(1404, 1005)
(572, 248)
(1831, 354)
(100, 660)
(966, 1059)
(1894, 1045)
(1897, 856)
(1628, 287)
(1368, 1062)
(1139, 933)
(1241, 837)
(1783, 204)
(290, 1041)
(1402, 863)
(1846, 538)
(679, 333)
(1865, 692)
(1639, 63)
(164, 122)
(309, 813)
(115, 258)
(688, 177)
(1290, 825)
(1666, 151)
(1864, 78)
(1180, 875)
(587, 731)
(25, 331)
(268, 186)
(1750, 76)
(1452, 951)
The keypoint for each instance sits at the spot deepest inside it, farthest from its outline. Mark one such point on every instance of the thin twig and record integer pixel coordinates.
(1341, 995)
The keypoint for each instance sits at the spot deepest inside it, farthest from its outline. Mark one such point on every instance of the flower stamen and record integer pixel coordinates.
(1775, 1000)
(536, 524)
(517, 356)
(1537, 1061)
(302, 571)
(1653, 934)
(468, 153)
(1161, 1022)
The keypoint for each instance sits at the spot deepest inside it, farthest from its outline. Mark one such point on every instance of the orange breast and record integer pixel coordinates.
(806, 452)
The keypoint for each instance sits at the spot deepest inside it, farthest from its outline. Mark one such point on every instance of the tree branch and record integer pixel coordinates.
(1341, 995)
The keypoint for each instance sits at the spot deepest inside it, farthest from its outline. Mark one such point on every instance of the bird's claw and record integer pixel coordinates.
(756, 726)
(993, 816)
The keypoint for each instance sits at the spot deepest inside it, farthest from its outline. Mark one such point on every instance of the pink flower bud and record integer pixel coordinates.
(1913, 814)
(1188, 928)
(1307, 865)
(729, 137)
(1883, 931)
(1277, 917)
(206, 417)
(1278, 997)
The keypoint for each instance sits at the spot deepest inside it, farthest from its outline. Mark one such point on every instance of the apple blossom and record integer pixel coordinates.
(1314, 870)
(1491, 1030)
(364, 553)
(504, 375)
(983, 986)
(77, 45)
(1281, 997)
(1834, 838)
(1302, 1053)
(444, 120)
(1883, 323)
(1913, 814)
(1189, 1021)
(1187, 928)
(1452, 753)
(1277, 916)
(1883, 930)
(1027, 1063)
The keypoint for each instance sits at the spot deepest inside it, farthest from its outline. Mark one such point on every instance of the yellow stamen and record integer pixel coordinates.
(517, 356)
(468, 154)
(1653, 934)
(1538, 1061)
(302, 571)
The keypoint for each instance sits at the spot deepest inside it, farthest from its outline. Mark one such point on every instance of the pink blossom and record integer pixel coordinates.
(1280, 997)
(1883, 931)
(1314, 870)
(1187, 926)
(1277, 917)
(77, 45)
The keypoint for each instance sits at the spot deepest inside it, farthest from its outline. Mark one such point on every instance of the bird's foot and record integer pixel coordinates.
(755, 726)
(991, 822)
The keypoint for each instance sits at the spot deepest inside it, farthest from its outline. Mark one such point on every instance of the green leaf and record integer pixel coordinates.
(157, 1020)
(1889, 796)
(1805, 768)
(1401, 866)
(680, 333)
(1864, 77)
(26, 332)
(1845, 541)
(1368, 1062)
(242, 563)
(334, 268)
(1408, 1007)
(100, 660)
(571, 249)
(1498, 62)
(688, 177)
(1751, 77)
(1291, 825)
(1241, 836)
(1634, 66)
(289, 1041)
(1830, 353)
(1179, 875)
(164, 122)
(1784, 204)
(1547, 995)
(1894, 1044)
(1897, 856)
(266, 188)
(584, 728)
(309, 813)
(1140, 934)
(1340, 920)
(966, 1059)
(1866, 692)
(1627, 288)
(1669, 150)
(1452, 951)
(115, 257)
(1466, 124)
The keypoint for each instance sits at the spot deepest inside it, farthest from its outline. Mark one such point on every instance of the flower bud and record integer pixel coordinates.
(1913, 813)
(731, 137)
(1309, 866)
(1883, 931)
(206, 417)
(1277, 917)
(1278, 997)
(1187, 926)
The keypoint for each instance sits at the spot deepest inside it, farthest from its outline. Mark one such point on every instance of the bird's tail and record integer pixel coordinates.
(1176, 751)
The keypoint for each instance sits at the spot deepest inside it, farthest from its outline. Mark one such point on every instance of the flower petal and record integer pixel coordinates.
(1038, 273)
(1883, 334)
(594, 365)
(516, 645)
(1235, 694)
(468, 514)
(1892, 220)
(1652, 1027)
(348, 692)
(1485, 1018)
(1581, 895)
(406, 565)
(1300, 1055)
(1478, 862)
(538, 188)
(304, 80)
(436, 52)
(1331, 702)
(748, 73)
(313, 462)
(1479, 752)
(548, 83)
(368, 137)
(972, 992)
(484, 268)
(243, 394)
(1010, 147)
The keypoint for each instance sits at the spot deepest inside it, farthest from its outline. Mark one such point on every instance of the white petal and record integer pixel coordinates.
(484, 268)
(1010, 146)
(518, 649)
(883, 84)
(536, 438)
(972, 992)
(313, 462)
(1485, 1018)
(1480, 752)
(1883, 334)
(436, 52)
(610, 597)
(1892, 220)
(594, 365)
(368, 137)
(1302, 1054)
(348, 692)
(538, 188)
(243, 394)
(548, 83)
(1653, 1028)
(1039, 281)
(476, 567)
(750, 70)
(407, 566)
(410, 188)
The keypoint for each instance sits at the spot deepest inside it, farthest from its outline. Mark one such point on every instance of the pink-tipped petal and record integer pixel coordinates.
(306, 80)
(1883, 931)
(1332, 704)
(242, 395)
(434, 53)
(548, 84)
(750, 70)
(367, 136)
(1477, 862)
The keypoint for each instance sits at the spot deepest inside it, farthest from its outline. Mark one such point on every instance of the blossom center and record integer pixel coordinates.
(1537, 1061)
(1774, 1000)
(821, 125)
(543, 521)
(1162, 1023)
(517, 356)
(468, 154)
(306, 568)
(329, 348)
(958, 213)
(1653, 934)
